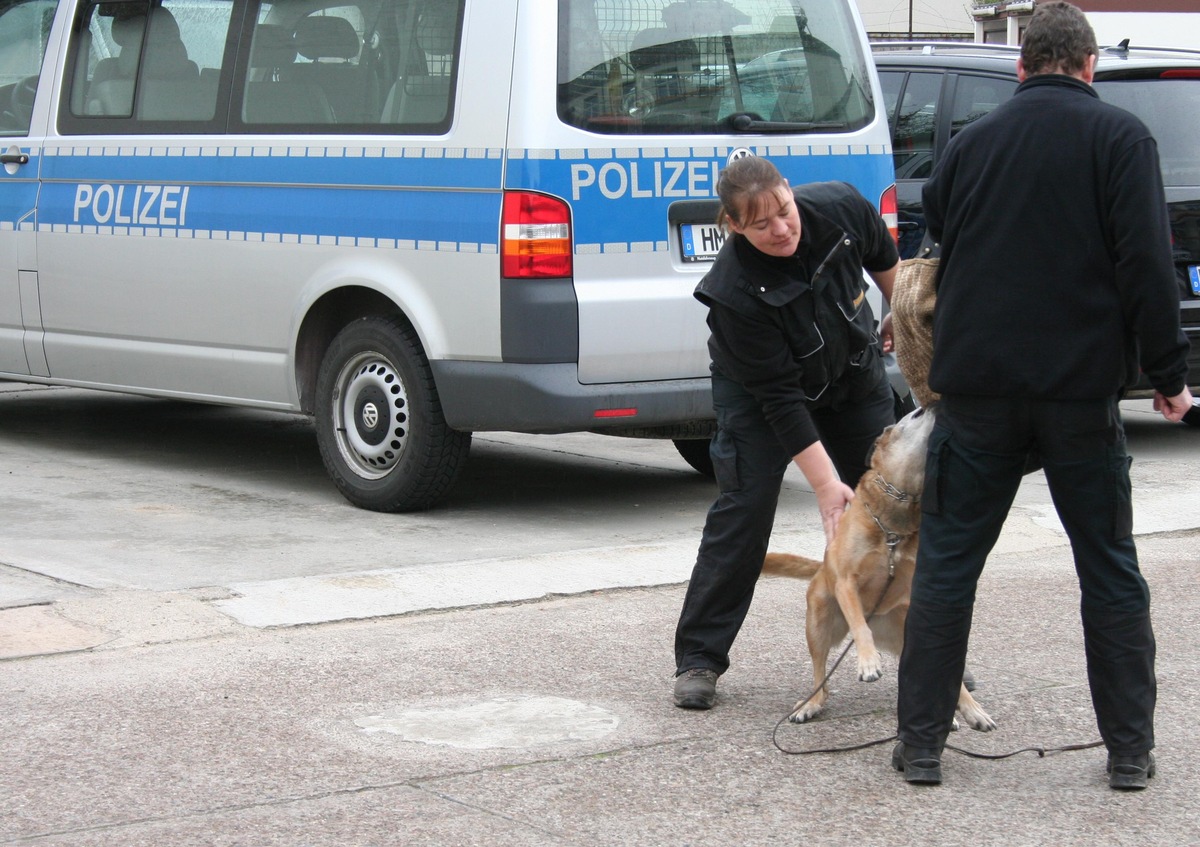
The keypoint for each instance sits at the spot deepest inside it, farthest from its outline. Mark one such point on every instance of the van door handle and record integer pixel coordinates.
(14, 158)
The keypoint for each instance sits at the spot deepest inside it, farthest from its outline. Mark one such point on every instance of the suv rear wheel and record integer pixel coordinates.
(379, 421)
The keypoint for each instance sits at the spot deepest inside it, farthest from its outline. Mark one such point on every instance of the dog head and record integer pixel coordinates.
(899, 455)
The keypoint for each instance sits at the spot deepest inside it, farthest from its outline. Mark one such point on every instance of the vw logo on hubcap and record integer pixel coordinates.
(370, 415)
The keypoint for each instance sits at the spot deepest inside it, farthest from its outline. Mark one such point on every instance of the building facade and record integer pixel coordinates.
(1146, 23)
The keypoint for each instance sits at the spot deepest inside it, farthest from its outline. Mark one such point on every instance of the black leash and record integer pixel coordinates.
(892, 541)
(1040, 749)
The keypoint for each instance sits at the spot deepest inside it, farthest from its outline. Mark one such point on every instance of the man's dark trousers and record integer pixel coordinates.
(977, 455)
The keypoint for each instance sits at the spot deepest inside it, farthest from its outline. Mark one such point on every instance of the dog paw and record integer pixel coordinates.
(805, 711)
(978, 719)
(869, 669)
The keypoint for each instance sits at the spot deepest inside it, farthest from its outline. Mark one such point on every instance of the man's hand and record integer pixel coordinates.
(1173, 408)
(886, 338)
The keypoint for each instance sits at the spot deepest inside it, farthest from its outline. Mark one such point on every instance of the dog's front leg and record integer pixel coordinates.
(870, 667)
(973, 713)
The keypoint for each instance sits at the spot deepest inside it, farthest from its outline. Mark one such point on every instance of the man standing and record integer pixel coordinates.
(1056, 282)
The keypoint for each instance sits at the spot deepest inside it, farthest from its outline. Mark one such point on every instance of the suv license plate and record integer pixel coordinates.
(700, 242)
(1194, 274)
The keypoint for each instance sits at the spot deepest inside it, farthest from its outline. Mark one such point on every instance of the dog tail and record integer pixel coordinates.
(785, 564)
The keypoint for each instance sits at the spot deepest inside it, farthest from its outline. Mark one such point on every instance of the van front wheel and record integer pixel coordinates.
(379, 421)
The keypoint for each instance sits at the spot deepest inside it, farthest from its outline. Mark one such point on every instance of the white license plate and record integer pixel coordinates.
(700, 242)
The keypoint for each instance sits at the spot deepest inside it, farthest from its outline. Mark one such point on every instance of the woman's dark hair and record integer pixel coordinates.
(1058, 40)
(743, 188)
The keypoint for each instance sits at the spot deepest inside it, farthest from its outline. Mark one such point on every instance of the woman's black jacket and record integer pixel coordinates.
(797, 332)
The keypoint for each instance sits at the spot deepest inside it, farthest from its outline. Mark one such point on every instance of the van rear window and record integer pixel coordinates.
(711, 66)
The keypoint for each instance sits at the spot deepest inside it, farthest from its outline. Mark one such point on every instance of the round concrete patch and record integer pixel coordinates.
(502, 722)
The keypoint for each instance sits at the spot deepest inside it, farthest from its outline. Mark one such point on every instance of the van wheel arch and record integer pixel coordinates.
(325, 318)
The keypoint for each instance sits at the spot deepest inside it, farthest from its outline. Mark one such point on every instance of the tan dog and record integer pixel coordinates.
(877, 532)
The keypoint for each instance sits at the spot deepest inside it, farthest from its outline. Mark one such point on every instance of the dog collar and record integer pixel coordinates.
(894, 492)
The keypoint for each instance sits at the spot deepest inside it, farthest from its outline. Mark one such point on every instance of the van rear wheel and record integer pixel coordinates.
(695, 452)
(379, 421)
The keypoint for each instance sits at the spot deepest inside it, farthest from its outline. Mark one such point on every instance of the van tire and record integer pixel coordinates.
(380, 428)
(695, 452)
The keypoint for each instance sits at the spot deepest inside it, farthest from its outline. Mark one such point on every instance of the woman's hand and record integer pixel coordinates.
(833, 498)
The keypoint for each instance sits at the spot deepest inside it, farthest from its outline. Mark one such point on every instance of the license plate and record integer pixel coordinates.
(700, 242)
(1194, 274)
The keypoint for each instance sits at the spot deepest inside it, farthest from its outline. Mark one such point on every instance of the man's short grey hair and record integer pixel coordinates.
(1058, 40)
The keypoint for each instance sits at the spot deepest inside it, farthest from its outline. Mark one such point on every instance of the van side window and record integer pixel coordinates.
(24, 28)
(353, 68)
(145, 62)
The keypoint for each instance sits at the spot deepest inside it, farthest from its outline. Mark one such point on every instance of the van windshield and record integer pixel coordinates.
(711, 67)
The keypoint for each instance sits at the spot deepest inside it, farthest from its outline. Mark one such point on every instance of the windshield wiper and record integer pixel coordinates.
(749, 123)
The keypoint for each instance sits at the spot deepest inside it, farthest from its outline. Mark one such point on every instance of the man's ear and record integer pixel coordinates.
(1021, 75)
(1089, 69)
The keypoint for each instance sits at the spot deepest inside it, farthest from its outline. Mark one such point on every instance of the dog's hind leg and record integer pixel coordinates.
(824, 627)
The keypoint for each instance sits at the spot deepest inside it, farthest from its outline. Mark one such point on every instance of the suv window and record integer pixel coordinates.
(975, 96)
(925, 109)
(1169, 108)
(912, 120)
(664, 66)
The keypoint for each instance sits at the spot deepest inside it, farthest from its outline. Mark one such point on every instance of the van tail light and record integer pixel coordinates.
(1180, 73)
(889, 212)
(535, 236)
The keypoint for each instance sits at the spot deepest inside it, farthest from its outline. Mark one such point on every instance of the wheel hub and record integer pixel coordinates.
(373, 415)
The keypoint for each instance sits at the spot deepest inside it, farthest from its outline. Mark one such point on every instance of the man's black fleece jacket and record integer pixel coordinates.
(1056, 278)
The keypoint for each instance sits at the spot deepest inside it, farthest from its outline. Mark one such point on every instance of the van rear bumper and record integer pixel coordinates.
(507, 397)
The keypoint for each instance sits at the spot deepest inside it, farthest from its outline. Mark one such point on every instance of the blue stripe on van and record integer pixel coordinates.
(422, 198)
(395, 197)
(620, 197)
(459, 221)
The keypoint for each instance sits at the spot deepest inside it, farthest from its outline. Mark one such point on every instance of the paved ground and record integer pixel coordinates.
(344, 707)
(548, 723)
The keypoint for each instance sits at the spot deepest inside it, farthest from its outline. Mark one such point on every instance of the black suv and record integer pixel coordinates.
(934, 89)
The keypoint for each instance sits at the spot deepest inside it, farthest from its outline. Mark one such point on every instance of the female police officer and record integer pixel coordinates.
(796, 376)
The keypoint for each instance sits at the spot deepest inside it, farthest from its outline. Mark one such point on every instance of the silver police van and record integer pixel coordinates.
(409, 219)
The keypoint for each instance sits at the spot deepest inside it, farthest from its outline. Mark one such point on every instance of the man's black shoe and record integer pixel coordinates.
(921, 765)
(696, 688)
(1129, 773)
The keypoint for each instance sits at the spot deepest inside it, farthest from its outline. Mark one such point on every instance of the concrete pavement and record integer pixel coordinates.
(507, 696)
(548, 723)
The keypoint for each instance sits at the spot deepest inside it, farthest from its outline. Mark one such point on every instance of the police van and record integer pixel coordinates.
(410, 219)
